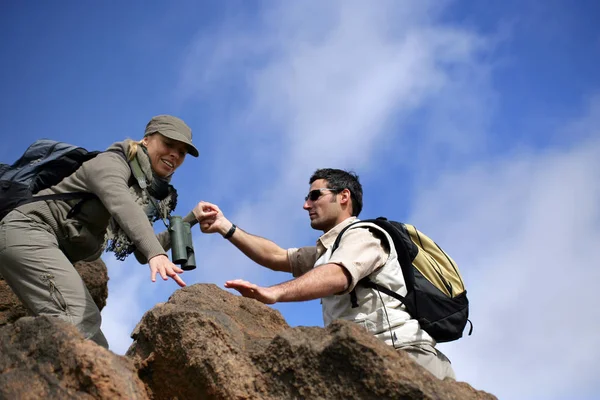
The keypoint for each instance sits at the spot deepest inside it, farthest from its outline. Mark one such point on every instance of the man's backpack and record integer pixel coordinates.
(436, 296)
(44, 164)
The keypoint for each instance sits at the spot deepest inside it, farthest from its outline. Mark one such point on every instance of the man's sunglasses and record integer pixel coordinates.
(313, 195)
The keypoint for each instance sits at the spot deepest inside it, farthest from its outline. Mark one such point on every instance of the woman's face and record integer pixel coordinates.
(166, 155)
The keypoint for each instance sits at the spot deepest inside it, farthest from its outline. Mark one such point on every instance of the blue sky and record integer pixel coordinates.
(475, 121)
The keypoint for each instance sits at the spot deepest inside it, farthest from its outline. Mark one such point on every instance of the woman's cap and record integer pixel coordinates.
(173, 128)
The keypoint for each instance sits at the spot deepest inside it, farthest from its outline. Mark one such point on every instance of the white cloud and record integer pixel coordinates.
(525, 229)
(319, 85)
(324, 81)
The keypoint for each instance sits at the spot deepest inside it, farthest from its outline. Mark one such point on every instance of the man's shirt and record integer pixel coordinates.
(359, 252)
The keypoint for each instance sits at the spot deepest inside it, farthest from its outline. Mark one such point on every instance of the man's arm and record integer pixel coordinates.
(260, 250)
(322, 281)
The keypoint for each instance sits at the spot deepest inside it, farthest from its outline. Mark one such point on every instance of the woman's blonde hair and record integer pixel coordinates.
(133, 149)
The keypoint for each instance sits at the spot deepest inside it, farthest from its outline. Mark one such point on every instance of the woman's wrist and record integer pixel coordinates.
(158, 255)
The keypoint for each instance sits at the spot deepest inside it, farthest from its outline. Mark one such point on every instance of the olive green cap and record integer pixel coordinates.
(173, 128)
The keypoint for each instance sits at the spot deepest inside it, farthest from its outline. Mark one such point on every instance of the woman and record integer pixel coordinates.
(40, 241)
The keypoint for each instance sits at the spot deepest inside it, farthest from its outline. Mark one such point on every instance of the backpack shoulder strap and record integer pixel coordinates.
(405, 249)
(338, 239)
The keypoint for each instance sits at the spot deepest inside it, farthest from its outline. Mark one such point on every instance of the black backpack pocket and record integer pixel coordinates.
(12, 194)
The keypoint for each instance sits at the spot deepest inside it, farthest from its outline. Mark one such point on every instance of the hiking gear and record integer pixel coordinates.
(173, 128)
(182, 245)
(44, 164)
(436, 296)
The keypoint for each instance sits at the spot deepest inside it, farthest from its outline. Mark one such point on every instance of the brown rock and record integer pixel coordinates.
(197, 344)
(46, 358)
(345, 362)
(207, 343)
(93, 273)
(95, 276)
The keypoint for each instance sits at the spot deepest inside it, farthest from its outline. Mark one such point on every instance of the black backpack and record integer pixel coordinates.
(44, 164)
(436, 296)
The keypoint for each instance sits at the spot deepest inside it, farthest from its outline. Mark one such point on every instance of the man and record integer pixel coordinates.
(333, 202)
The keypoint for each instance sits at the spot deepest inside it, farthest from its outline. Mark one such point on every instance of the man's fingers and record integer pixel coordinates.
(153, 274)
(239, 283)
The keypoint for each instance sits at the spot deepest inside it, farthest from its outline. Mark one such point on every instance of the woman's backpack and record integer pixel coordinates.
(44, 164)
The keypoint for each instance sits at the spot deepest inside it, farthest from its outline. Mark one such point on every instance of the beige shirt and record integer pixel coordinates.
(359, 252)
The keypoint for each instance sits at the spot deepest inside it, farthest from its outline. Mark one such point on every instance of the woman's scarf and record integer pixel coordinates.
(163, 194)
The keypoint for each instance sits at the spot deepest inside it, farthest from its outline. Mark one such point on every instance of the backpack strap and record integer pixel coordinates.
(400, 240)
(401, 250)
(336, 244)
(61, 196)
(338, 239)
(366, 282)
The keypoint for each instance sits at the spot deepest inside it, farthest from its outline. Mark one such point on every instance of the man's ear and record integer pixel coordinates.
(346, 196)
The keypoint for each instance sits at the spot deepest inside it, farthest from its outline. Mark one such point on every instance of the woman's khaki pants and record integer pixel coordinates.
(43, 278)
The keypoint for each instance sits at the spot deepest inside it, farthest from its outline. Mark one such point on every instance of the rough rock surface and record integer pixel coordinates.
(46, 358)
(207, 343)
(197, 345)
(94, 275)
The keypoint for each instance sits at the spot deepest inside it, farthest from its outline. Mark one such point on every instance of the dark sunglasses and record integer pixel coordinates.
(313, 195)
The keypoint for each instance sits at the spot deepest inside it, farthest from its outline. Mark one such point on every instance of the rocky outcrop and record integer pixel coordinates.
(46, 358)
(205, 335)
(228, 347)
(206, 343)
(94, 275)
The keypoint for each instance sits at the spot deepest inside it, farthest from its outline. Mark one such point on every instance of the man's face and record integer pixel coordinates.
(323, 209)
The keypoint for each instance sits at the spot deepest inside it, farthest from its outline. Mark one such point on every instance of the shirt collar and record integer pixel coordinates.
(327, 239)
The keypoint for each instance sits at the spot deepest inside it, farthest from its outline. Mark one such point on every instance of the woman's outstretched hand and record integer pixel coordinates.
(162, 265)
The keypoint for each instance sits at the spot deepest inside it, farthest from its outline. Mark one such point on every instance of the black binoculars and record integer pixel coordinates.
(182, 248)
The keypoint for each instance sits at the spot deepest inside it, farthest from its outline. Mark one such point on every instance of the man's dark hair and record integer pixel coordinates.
(340, 179)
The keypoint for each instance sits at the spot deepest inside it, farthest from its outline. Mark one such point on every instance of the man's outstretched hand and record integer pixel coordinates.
(247, 289)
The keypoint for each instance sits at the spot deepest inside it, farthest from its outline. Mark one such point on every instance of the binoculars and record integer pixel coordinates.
(182, 248)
